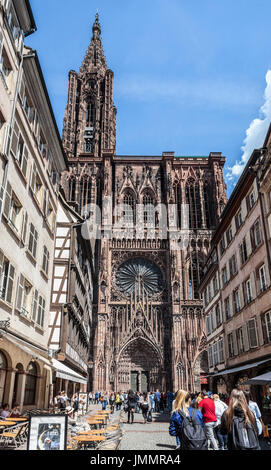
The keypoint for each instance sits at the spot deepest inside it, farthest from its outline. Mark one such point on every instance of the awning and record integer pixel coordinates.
(28, 348)
(236, 369)
(264, 379)
(64, 372)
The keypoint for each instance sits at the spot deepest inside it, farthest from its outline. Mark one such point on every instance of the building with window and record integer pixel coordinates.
(71, 320)
(31, 160)
(242, 246)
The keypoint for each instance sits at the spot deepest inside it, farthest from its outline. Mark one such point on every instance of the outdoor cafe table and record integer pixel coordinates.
(17, 419)
(96, 422)
(91, 432)
(84, 440)
(7, 423)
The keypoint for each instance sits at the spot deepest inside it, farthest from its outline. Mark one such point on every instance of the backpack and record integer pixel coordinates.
(244, 438)
(192, 436)
(144, 405)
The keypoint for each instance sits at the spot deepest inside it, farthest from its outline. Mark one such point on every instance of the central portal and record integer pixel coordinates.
(140, 381)
(139, 367)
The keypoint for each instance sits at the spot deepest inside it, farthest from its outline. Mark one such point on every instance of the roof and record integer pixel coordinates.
(25, 16)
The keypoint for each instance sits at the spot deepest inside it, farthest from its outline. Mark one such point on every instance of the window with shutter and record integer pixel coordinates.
(33, 240)
(215, 354)
(221, 351)
(22, 88)
(35, 305)
(268, 324)
(24, 227)
(262, 278)
(15, 140)
(7, 203)
(45, 201)
(252, 333)
(230, 345)
(24, 161)
(41, 308)
(45, 262)
(33, 177)
(240, 338)
(10, 282)
(210, 356)
(20, 293)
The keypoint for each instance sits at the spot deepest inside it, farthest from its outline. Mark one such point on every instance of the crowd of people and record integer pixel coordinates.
(205, 421)
(199, 421)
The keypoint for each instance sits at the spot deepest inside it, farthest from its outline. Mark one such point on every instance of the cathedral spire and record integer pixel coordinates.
(94, 57)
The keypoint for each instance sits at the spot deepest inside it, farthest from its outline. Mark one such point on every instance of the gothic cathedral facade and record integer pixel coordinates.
(149, 329)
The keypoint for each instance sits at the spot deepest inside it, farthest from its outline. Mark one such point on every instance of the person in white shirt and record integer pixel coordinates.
(220, 407)
(255, 410)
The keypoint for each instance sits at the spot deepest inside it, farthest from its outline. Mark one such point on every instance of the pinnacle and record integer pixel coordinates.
(95, 55)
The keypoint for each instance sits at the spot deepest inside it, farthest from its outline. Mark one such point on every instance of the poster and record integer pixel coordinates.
(47, 432)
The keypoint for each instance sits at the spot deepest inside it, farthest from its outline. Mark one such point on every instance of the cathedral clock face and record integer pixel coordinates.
(139, 275)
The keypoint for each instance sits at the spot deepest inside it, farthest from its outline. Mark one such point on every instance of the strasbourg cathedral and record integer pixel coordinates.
(148, 316)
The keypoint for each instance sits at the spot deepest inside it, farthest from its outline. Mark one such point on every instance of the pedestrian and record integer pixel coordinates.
(137, 397)
(170, 398)
(182, 410)
(131, 405)
(157, 398)
(256, 411)
(62, 401)
(112, 400)
(75, 405)
(15, 412)
(90, 398)
(118, 401)
(96, 398)
(5, 413)
(207, 407)
(104, 401)
(239, 423)
(152, 403)
(145, 406)
(220, 407)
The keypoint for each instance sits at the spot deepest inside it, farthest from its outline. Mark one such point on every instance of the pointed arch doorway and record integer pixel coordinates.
(139, 367)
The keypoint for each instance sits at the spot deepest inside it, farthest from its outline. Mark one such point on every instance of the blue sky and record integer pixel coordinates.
(190, 75)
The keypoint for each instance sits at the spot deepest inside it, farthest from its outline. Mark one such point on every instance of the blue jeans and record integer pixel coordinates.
(222, 439)
(104, 404)
(178, 442)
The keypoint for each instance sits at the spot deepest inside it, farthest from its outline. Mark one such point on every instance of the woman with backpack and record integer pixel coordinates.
(145, 406)
(131, 405)
(112, 400)
(239, 423)
(186, 424)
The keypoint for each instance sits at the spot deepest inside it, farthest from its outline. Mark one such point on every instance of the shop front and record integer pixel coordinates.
(25, 374)
(67, 380)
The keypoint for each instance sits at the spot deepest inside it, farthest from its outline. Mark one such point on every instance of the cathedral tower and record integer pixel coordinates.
(90, 116)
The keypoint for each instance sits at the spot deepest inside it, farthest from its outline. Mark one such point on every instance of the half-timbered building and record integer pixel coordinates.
(70, 325)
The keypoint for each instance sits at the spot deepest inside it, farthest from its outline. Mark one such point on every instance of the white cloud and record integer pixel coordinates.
(255, 134)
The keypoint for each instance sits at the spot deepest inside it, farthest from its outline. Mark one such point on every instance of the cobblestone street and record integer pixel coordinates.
(149, 436)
